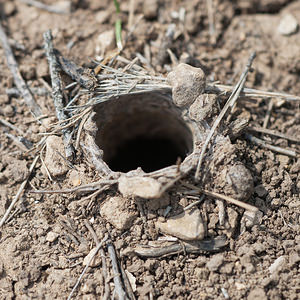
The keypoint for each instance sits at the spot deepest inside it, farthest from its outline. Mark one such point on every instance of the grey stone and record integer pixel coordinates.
(186, 226)
(187, 84)
(288, 25)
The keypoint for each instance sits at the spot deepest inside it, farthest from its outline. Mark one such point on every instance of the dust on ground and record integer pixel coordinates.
(44, 243)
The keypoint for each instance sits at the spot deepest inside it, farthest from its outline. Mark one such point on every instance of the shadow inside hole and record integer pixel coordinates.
(150, 154)
(144, 130)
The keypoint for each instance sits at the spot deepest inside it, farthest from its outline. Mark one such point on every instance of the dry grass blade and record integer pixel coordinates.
(57, 93)
(230, 103)
(17, 196)
(18, 79)
(82, 188)
(247, 92)
(87, 266)
(222, 197)
(274, 133)
(262, 143)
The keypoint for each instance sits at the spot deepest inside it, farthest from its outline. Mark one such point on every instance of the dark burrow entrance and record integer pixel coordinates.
(144, 130)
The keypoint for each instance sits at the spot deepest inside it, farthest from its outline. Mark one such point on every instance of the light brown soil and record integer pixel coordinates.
(43, 244)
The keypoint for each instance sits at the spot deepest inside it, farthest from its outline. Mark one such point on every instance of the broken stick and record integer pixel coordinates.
(57, 93)
(18, 79)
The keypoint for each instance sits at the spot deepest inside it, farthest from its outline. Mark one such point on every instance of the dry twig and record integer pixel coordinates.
(57, 93)
(19, 81)
(229, 104)
(49, 8)
(87, 265)
(102, 254)
(209, 245)
(262, 143)
(17, 196)
(116, 273)
(98, 185)
(274, 133)
(222, 197)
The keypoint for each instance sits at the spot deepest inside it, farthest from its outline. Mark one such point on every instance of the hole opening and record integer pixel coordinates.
(144, 130)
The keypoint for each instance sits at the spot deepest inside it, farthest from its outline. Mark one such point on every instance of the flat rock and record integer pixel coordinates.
(186, 226)
(119, 211)
(288, 25)
(204, 107)
(187, 84)
(56, 165)
(143, 187)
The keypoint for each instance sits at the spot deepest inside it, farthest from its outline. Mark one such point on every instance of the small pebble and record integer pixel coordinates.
(277, 264)
(288, 25)
(143, 187)
(187, 226)
(51, 236)
(187, 84)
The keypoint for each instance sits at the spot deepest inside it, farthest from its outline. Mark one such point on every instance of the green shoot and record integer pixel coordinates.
(118, 26)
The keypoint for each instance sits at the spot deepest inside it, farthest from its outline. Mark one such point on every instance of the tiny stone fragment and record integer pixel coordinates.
(51, 236)
(294, 258)
(186, 226)
(240, 182)
(119, 212)
(63, 6)
(277, 264)
(55, 163)
(288, 25)
(132, 280)
(96, 261)
(74, 178)
(143, 187)
(187, 84)
(251, 218)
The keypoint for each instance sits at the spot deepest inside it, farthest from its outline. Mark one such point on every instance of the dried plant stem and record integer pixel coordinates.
(49, 8)
(57, 93)
(19, 81)
(273, 133)
(247, 92)
(116, 273)
(17, 196)
(212, 244)
(87, 265)
(102, 254)
(11, 126)
(229, 104)
(82, 188)
(84, 77)
(268, 114)
(222, 197)
(262, 143)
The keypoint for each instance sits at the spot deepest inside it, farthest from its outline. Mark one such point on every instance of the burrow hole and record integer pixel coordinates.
(144, 130)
